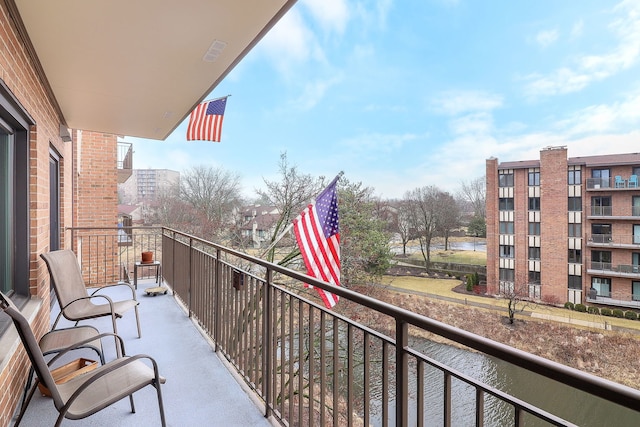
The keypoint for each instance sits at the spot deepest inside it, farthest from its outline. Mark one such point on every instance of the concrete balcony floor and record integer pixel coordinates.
(199, 391)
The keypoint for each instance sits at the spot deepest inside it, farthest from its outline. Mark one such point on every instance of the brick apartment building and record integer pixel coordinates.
(66, 66)
(565, 228)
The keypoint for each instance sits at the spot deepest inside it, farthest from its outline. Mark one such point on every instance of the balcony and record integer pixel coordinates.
(620, 241)
(124, 161)
(304, 365)
(614, 212)
(610, 184)
(610, 270)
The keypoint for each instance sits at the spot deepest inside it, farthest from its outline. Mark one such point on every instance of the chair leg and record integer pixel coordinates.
(25, 403)
(160, 404)
(133, 407)
(138, 321)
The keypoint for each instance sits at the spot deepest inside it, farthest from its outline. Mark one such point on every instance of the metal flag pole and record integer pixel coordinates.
(290, 225)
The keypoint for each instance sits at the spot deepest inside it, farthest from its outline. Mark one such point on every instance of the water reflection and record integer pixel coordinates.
(577, 407)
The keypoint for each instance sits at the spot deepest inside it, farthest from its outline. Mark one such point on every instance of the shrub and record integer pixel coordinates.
(618, 313)
(469, 282)
(581, 308)
(476, 278)
(606, 312)
(631, 315)
(569, 305)
(593, 310)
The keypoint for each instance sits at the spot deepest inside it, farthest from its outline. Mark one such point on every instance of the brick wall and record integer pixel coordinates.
(554, 244)
(492, 219)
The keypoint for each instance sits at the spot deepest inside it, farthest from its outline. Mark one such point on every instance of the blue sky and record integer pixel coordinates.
(401, 94)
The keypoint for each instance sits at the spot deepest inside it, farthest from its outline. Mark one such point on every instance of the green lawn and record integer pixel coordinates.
(457, 257)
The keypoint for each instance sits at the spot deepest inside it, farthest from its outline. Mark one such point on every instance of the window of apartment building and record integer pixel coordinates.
(534, 229)
(601, 259)
(534, 203)
(575, 230)
(635, 261)
(505, 204)
(635, 205)
(534, 252)
(575, 177)
(505, 179)
(635, 290)
(601, 206)
(602, 285)
(636, 234)
(534, 178)
(506, 227)
(575, 204)
(601, 176)
(507, 251)
(574, 282)
(575, 256)
(534, 277)
(635, 170)
(14, 197)
(601, 233)
(506, 274)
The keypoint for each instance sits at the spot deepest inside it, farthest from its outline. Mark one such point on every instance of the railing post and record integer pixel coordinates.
(217, 304)
(189, 276)
(402, 373)
(267, 319)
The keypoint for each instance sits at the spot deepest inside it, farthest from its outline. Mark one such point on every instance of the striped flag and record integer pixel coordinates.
(205, 122)
(318, 236)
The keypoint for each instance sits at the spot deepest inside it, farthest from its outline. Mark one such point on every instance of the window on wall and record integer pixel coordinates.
(534, 229)
(505, 179)
(575, 256)
(506, 227)
(601, 206)
(575, 177)
(575, 282)
(635, 205)
(506, 274)
(534, 178)
(505, 204)
(575, 230)
(635, 170)
(534, 277)
(601, 233)
(534, 252)
(602, 285)
(601, 176)
(14, 197)
(636, 234)
(507, 251)
(534, 203)
(601, 260)
(635, 290)
(575, 204)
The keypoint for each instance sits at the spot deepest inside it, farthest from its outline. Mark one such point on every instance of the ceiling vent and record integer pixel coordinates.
(214, 51)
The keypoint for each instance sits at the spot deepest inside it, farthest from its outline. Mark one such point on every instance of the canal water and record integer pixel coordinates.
(579, 408)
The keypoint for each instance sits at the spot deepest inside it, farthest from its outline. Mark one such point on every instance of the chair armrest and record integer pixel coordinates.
(80, 343)
(129, 285)
(109, 300)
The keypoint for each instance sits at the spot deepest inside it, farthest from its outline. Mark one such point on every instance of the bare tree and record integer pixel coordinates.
(517, 296)
(405, 229)
(474, 191)
(423, 215)
(290, 195)
(213, 194)
(448, 216)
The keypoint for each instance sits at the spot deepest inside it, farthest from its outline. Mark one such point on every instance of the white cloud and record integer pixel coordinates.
(332, 15)
(313, 92)
(588, 68)
(375, 143)
(457, 102)
(577, 29)
(546, 38)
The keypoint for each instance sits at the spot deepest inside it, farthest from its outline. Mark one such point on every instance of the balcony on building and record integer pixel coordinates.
(624, 183)
(283, 349)
(125, 161)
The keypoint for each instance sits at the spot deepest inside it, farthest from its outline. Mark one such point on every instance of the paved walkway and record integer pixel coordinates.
(442, 289)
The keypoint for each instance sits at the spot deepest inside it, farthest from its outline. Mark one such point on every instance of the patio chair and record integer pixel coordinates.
(75, 302)
(633, 181)
(93, 391)
(619, 183)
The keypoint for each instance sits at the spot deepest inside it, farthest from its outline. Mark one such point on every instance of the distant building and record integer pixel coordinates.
(145, 185)
(565, 229)
(258, 223)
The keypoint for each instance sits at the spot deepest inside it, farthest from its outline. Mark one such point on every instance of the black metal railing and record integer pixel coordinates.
(312, 366)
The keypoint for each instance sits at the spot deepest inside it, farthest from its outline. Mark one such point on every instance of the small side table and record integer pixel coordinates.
(155, 264)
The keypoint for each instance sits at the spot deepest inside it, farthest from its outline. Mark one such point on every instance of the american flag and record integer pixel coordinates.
(318, 235)
(205, 122)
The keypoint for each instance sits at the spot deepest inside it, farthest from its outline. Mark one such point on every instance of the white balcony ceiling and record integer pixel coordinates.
(136, 67)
